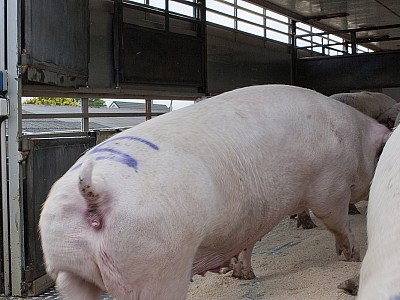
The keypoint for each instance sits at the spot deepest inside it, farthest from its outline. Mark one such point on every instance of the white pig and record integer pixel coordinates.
(376, 105)
(370, 103)
(389, 116)
(144, 211)
(380, 269)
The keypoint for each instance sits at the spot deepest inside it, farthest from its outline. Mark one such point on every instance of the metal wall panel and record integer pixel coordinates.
(354, 72)
(237, 59)
(47, 160)
(101, 67)
(157, 57)
(56, 41)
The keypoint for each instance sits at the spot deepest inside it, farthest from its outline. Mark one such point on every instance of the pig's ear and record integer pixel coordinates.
(86, 186)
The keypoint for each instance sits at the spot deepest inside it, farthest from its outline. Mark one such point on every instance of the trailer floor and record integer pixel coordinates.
(289, 263)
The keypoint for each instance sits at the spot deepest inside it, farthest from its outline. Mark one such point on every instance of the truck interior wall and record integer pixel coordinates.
(237, 59)
(101, 65)
(234, 59)
(329, 75)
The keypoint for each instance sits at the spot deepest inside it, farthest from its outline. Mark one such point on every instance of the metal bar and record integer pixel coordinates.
(203, 35)
(248, 22)
(353, 42)
(2, 35)
(353, 30)
(88, 115)
(117, 37)
(4, 198)
(14, 132)
(158, 11)
(255, 13)
(235, 15)
(127, 91)
(293, 52)
(193, 4)
(85, 111)
(144, 7)
(3, 163)
(166, 15)
(325, 46)
(377, 39)
(148, 109)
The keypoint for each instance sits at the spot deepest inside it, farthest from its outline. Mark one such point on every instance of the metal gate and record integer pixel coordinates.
(47, 159)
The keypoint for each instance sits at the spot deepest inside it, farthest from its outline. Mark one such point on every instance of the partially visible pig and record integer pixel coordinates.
(370, 103)
(141, 213)
(397, 122)
(376, 105)
(380, 269)
(388, 117)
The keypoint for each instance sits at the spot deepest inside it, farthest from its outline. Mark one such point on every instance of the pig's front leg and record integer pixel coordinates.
(335, 218)
(73, 287)
(241, 265)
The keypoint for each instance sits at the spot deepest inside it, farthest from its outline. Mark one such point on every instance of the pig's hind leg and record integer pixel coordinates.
(335, 217)
(241, 265)
(73, 287)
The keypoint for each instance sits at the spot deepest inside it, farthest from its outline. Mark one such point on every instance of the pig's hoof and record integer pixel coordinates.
(353, 209)
(350, 253)
(305, 221)
(238, 271)
(248, 274)
(350, 286)
(244, 274)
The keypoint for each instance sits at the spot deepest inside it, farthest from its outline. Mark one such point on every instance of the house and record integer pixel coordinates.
(139, 107)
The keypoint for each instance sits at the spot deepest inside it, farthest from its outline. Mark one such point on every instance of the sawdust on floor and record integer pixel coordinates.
(290, 263)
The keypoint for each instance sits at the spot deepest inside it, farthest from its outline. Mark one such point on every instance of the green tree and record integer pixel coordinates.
(94, 102)
(52, 101)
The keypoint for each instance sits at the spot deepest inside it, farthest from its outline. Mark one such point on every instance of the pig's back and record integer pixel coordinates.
(257, 136)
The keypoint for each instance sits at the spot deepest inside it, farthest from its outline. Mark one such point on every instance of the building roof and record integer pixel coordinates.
(68, 124)
(139, 106)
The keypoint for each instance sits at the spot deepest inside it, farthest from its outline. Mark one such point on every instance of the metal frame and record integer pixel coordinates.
(3, 161)
(263, 15)
(14, 133)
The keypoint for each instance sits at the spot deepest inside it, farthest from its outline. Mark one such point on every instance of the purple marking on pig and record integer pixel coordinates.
(121, 157)
(395, 297)
(132, 138)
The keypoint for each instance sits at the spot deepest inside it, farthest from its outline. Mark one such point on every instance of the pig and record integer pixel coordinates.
(397, 121)
(376, 105)
(389, 116)
(380, 268)
(193, 190)
(372, 104)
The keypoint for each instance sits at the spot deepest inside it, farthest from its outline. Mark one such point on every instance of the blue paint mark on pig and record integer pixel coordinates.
(109, 153)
